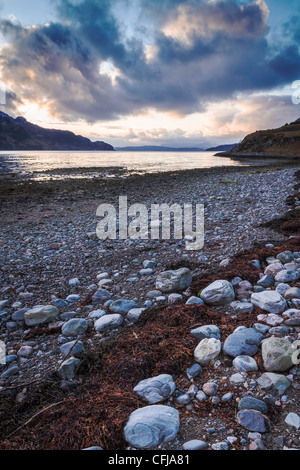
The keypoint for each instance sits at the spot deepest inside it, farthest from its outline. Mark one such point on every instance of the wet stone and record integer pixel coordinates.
(250, 403)
(151, 426)
(253, 420)
(155, 389)
(245, 364)
(244, 342)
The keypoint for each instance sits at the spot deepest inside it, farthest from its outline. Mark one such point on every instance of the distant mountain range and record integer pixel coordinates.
(19, 134)
(222, 148)
(273, 143)
(157, 148)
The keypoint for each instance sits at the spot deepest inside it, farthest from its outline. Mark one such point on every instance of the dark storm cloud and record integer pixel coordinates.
(94, 22)
(51, 63)
(287, 63)
(221, 49)
(201, 52)
(292, 29)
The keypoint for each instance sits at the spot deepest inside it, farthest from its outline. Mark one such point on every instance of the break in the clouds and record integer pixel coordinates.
(97, 63)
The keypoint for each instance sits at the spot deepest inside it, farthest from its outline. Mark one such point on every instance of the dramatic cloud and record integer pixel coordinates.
(292, 29)
(95, 24)
(227, 18)
(185, 55)
(51, 65)
(208, 51)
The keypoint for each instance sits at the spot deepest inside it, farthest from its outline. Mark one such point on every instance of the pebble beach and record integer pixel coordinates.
(188, 342)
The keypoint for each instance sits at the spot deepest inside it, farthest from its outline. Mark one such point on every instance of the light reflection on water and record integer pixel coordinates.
(57, 165)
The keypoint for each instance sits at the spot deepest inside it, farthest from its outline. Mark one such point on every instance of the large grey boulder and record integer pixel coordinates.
(254, 421)
(174, 298)
(285, 257)
(207, 350)
(245, 364)
(108, 322)
(251, 403)
(151, 426)
(155, 389)
(40, 314)
(73, 347)
(206, 331)
(122, 306)
(101, 295)
(270, 301)
(277, 354)
(242, 307)
(271, 319)
(95, 314)
(287, 275)
(134, 314)
(174, 280)
(276, 384)
(218, 293)
(293, 419)
(243, 342)
(74, 327)
(266, 281)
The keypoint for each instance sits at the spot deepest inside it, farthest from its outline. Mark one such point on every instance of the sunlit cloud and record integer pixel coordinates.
(35, 112)
(205, 20)
(107, 68)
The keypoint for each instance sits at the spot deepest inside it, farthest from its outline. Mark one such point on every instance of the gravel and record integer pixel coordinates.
(92, 289)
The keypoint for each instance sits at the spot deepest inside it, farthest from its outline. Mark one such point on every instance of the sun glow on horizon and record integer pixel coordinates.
(35, 112)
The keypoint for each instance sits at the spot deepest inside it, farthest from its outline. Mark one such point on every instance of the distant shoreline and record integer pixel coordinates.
(159, 149)
(242, 156)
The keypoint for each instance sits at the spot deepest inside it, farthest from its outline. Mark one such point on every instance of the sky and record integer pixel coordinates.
(180, 73)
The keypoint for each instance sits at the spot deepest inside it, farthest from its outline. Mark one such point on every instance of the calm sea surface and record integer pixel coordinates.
(45, 165)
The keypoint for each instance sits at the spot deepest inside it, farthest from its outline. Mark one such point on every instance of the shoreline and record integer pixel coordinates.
(110, 173)
(24, 184)
(240, 156)
(49, 242)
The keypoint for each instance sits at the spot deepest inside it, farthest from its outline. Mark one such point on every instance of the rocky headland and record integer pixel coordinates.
(19, 134)
(283, 142)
